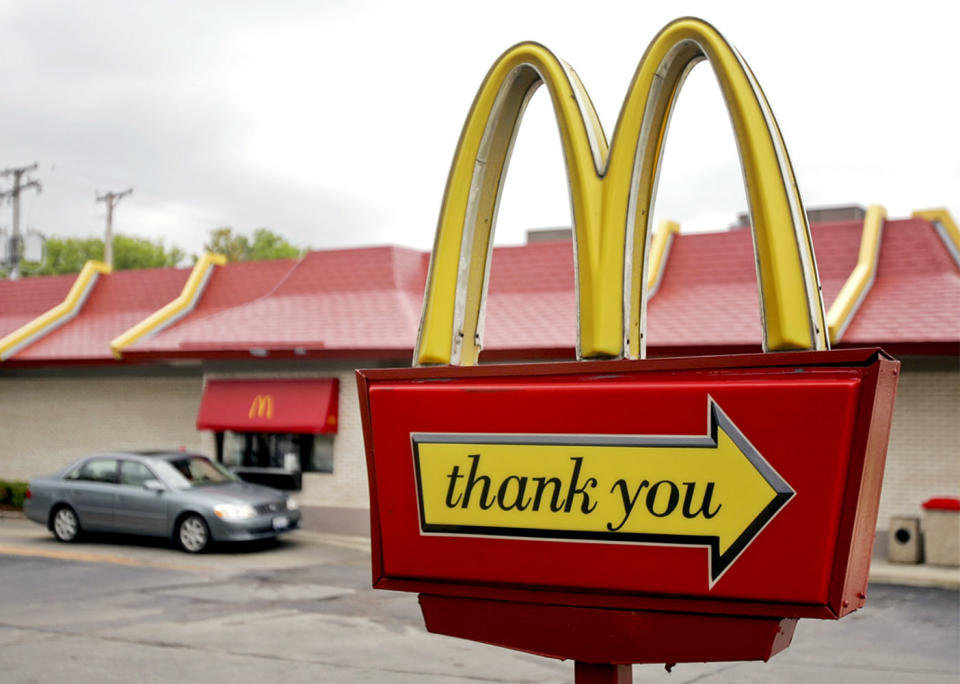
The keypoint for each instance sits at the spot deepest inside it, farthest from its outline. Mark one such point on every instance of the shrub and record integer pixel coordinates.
(12, 493)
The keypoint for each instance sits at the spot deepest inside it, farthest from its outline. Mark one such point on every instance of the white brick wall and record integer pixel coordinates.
(347, 484)
(47, 422)
(923, 459)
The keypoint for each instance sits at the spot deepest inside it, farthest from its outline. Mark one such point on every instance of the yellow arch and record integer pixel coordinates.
(612, 192)
(946, 228)
(791, 303)
(173, 310)
(660, 244)
(860, 280)
(460, 261)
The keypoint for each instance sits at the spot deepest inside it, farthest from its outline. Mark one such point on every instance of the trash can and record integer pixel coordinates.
(941, 526)
(903, 540)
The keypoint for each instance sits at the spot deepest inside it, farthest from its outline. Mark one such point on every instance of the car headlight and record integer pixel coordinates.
(292, 504)
(234, 511)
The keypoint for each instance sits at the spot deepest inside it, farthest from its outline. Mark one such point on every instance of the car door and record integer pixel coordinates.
(138, 510)
(92, 491)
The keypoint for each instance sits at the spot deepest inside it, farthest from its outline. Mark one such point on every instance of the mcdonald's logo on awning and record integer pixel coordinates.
(277, 405)
(261, 406)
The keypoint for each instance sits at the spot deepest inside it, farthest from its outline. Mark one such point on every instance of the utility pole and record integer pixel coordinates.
(110, 199)
(14, 195)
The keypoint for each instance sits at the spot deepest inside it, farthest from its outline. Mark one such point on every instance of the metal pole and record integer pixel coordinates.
(15, 235)
(14, 194)
(110, 199)
(108, 234)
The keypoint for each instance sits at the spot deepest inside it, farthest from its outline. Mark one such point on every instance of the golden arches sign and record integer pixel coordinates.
(261, 406)
(612, 189)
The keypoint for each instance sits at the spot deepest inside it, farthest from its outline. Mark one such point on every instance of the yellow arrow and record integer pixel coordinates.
(713, 490)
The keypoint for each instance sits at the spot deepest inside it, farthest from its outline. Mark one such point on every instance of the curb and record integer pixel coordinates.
(914, 575)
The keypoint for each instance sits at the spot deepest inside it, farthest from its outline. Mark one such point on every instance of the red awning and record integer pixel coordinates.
(294, 405)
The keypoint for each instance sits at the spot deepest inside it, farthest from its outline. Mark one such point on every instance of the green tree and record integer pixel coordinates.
(264, 245)
(223, 241)
(68, 255)
(268, 245)
(133, 252)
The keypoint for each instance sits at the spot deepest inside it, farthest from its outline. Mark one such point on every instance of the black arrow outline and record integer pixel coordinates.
(716, 418)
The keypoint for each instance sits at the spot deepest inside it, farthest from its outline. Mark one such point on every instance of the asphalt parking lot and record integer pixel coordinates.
(301, 610)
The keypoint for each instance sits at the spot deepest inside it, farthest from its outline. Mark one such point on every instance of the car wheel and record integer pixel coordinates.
(66, 525)
(193, 534)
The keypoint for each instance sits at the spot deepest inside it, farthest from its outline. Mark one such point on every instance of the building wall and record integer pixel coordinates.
(923, 459)
(347, 484)
(48, 421)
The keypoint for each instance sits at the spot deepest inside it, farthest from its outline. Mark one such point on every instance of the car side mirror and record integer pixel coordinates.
(154, 486)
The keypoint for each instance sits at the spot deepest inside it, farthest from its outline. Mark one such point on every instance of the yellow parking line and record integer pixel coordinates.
(95, 558)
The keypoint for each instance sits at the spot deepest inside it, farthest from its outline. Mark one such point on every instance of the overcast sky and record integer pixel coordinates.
(334, 123)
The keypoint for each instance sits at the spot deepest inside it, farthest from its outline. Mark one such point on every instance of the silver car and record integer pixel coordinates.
(187, 497)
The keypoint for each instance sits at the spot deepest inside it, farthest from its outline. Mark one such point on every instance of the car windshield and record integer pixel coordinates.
(194, 471)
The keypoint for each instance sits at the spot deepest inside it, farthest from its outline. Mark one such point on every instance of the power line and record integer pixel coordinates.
(13, 194)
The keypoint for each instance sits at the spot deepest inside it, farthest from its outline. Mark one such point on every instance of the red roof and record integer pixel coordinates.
(531, 302)
(708, 296)
(339, 299)
(118, 301)
(916, 295)
(240, 283)
(23, 300)
(367, 301)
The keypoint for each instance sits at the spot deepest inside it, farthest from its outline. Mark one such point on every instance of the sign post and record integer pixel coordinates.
(625, 510)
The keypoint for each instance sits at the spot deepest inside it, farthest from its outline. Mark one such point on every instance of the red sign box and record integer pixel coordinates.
(458, 508)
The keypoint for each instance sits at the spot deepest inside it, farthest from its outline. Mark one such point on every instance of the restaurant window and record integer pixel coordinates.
(321, 460)
(283, 451)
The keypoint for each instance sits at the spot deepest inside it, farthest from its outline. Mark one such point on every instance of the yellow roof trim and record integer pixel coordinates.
(49, 321)
(861, 277)
(946, 228)
(175, 309)
(659, 251)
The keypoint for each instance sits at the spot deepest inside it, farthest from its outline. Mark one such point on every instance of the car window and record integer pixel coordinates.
(96, 470)
(134, 473)
(199, 470)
